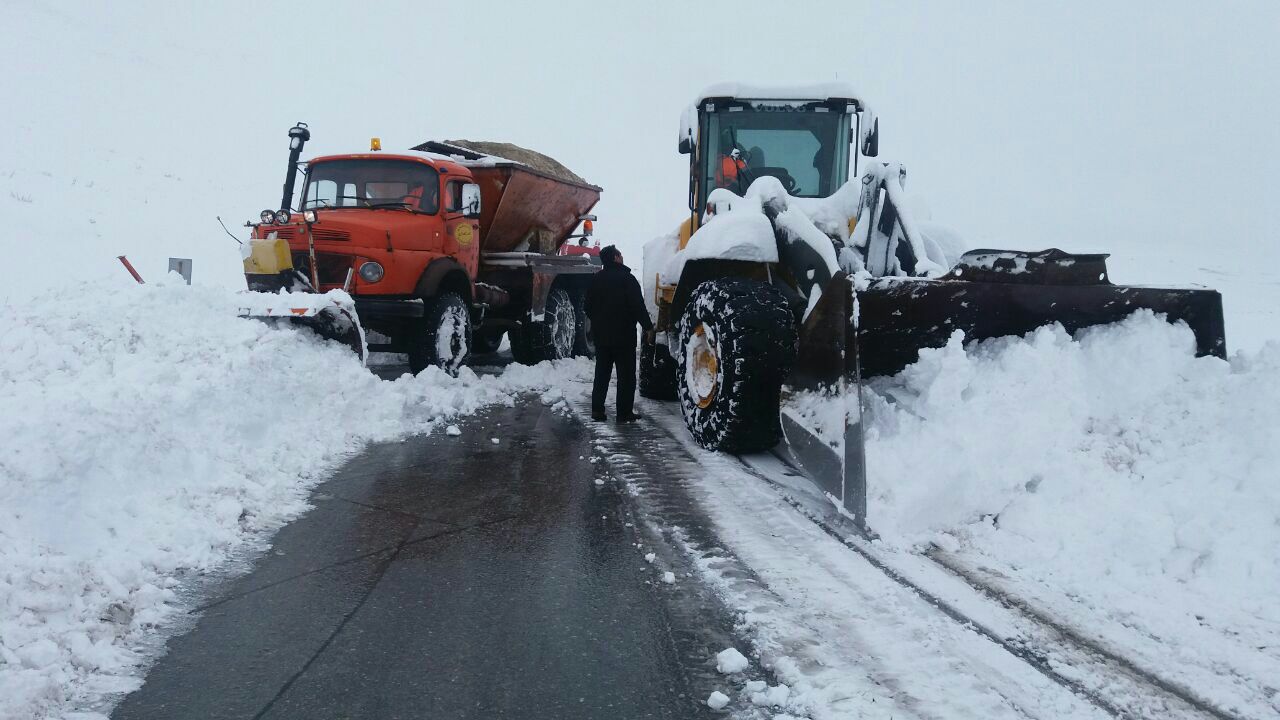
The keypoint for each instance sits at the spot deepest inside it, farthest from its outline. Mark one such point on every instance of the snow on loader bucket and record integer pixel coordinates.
(865, 327)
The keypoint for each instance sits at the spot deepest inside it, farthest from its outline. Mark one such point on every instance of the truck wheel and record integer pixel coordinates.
(486, 341)
(657, 372)
(737, 343)
(583, 344)
(550, 338)
(442, 337)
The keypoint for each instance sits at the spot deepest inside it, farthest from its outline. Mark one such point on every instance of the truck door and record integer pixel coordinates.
(462, 235)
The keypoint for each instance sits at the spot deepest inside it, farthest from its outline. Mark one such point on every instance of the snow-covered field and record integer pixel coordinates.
(149, 436)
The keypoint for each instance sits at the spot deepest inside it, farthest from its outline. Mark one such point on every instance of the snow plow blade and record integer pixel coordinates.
(327, 317)
(856, 333)
(821, 403)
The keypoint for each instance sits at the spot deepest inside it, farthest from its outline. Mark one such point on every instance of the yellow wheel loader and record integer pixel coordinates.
(790, 282)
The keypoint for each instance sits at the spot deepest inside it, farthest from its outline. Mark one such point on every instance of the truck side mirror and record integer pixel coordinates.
(871, 144)
(471, 200)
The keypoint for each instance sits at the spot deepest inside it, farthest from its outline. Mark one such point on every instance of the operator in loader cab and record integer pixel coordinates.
(729, 169)
(615, 306)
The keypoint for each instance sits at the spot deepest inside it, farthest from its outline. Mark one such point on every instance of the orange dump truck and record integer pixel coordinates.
(443, 249)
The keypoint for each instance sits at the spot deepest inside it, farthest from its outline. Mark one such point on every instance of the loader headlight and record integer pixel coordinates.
(371, 272)
(282, 216)
(309, 215)
(267, 216)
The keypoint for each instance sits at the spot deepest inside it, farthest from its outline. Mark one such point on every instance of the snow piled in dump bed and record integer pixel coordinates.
(149, 434)
(1117, 469)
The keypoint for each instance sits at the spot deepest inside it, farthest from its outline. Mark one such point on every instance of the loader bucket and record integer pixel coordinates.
(821, 409)
(992, 294)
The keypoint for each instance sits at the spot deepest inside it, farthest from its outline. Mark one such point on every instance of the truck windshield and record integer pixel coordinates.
(365, 183)
(805, 147)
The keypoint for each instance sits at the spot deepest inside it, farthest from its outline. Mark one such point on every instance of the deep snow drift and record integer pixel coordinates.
(150, 434)
(1116, 478)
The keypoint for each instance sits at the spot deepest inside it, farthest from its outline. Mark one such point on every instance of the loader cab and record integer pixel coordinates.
(808, 144)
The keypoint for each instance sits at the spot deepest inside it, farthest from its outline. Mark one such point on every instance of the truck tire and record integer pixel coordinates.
(583, 344)
(550, 338)
(442, 337)
(657, 372)
(737, 342)
(486, 341)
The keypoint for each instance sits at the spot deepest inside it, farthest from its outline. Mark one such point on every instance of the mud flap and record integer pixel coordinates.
(821, 409)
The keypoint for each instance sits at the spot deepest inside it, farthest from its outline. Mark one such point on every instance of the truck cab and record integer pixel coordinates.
(442, 249)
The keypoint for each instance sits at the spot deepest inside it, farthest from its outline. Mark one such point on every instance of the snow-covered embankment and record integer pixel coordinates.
(148, 434)
(1116, 479)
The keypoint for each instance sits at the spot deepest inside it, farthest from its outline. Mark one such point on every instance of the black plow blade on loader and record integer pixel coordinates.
(854, 333)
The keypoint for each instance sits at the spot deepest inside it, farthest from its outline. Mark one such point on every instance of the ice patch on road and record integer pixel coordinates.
(150, 434)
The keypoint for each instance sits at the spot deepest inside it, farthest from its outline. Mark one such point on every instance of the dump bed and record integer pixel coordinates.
(535, 200)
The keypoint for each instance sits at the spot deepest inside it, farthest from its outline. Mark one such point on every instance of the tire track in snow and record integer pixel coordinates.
(845, 635)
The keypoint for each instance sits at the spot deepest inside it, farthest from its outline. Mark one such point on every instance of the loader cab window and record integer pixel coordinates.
(806, 147)
(373, 184)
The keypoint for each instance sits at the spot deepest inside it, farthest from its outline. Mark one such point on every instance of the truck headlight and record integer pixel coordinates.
(371, 272)
(309, 215)
(282, 216)
(267, 217)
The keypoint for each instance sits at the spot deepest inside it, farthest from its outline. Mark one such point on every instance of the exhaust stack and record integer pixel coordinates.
(298, 136)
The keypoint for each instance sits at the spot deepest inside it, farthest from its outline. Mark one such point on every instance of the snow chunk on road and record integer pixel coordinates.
(152, 443)
(729, 661)
(717, 700)
(669, 577)
(453, 430)
(776, 696)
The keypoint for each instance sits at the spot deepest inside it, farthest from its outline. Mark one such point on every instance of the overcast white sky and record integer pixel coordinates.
(1088, 126)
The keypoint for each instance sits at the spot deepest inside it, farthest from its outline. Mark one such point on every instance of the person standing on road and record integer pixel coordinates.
(615, 306)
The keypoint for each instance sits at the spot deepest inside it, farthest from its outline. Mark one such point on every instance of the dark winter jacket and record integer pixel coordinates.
(615, 305)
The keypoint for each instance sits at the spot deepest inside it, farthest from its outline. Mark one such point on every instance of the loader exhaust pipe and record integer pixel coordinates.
(298, 136)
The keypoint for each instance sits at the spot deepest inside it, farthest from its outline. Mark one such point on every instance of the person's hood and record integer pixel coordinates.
(616, 266)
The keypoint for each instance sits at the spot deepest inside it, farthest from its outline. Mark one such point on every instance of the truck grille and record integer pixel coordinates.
(332, 268)
(290, 233)
(325, 234)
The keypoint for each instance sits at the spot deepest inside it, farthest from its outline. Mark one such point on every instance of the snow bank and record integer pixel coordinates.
(148, 434)
(1118, 468)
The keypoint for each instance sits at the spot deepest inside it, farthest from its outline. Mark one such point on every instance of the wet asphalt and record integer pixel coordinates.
(443, 577)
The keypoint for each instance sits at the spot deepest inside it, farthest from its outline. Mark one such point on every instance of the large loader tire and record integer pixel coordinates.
(737, 342)
(657, 372)
(442, 336)
(550, 338)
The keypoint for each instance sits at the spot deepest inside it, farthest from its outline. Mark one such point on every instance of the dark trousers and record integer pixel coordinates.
(623, 358)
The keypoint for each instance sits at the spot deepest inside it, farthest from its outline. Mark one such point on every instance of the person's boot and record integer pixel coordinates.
(629, 417)
(598, 415)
